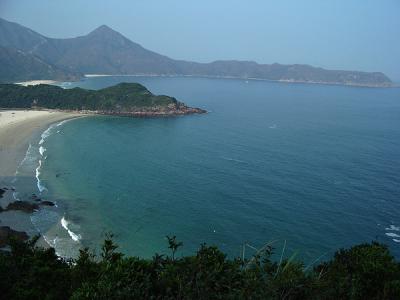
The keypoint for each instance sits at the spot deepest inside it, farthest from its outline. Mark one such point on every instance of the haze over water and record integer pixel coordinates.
(317, 166)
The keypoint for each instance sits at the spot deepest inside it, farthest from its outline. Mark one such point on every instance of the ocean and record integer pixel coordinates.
(308, 168)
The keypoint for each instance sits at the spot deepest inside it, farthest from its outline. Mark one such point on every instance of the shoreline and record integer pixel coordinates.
(36, 82)
(287, 81)
(18, 129)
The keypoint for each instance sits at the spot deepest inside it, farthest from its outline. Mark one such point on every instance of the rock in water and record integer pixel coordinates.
(22, 206)
(47, 203)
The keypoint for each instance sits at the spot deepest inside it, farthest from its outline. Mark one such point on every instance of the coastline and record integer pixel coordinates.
(36, 82)
(17, 129)
(288, 81)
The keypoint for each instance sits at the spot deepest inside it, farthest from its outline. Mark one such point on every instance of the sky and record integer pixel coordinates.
(359, 35)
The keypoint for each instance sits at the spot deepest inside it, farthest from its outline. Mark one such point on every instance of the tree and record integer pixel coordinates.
(173, 245)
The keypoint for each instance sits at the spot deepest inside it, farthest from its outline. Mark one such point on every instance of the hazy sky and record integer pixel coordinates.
(351, 34)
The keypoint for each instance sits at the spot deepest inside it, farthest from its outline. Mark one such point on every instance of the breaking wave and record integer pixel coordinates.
(73, 235)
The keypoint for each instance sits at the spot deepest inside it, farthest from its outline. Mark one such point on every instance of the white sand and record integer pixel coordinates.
(16, 130)
(35, 82)
(97, 75)
(10, 117)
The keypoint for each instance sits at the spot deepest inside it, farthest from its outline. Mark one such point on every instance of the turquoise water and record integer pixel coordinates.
(315, 166)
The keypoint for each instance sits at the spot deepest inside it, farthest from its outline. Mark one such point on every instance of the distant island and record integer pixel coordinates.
(28, 55)
(124, 99)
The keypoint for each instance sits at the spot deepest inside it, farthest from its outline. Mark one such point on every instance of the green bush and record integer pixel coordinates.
(366, 271)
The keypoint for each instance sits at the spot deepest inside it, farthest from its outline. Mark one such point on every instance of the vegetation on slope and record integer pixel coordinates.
(17, 65)
(123, 98)
(366, 271)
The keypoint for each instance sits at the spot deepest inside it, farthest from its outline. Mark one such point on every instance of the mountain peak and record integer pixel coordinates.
(104, 30)
(106, 51)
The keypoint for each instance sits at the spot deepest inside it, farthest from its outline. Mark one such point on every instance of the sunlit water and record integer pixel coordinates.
(315, 166)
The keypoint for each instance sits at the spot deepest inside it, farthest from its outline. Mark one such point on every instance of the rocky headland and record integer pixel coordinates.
(123, 99)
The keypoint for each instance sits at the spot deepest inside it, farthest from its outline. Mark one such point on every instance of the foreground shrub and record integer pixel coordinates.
(366, 271)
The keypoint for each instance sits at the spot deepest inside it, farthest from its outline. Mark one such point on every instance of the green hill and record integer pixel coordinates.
(131, 99)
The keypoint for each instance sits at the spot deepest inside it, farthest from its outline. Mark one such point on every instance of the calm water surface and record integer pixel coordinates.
(317, 166)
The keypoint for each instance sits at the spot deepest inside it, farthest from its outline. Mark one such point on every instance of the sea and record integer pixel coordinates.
(305, 168)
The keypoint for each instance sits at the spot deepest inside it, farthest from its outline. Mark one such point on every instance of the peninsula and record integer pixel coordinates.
(124, 99)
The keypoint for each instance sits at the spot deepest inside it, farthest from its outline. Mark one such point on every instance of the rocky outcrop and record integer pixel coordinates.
(172, 112)
(7, 234)
(47, 203)
(2, 191)
(24, 206)
(35, 198)
(27, 206)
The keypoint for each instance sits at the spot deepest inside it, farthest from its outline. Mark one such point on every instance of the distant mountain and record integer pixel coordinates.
(105, 51)
(127, 99)
(18, 61)
(16, 65)
(13, 35)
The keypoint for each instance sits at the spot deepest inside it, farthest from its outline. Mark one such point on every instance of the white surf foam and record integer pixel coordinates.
(63, 122)
(15, 195)
(42, 150)
(45, 134)
(52, 243)
(393, 228)
(49, 131)
(74, 236)
(40, 186)
(42, 220)
(391, 234)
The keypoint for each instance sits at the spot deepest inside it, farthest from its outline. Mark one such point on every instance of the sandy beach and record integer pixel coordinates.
(17, 128)
(35, 82)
